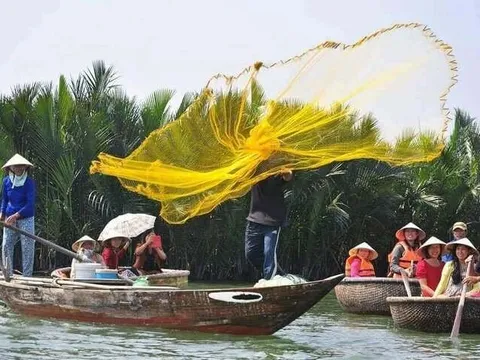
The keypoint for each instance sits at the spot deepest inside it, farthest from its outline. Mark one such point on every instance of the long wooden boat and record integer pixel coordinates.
(243, 311)
(434, 315)
(168, 277)
(367, 295)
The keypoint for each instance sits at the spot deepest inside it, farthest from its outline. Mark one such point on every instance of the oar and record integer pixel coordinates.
(50, 244)
(406, 283)
(461, 303)
(5, 273)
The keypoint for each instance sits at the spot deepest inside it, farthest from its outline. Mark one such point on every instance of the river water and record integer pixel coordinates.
(323, 332)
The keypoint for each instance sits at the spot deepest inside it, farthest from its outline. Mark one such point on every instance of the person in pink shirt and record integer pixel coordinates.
(429, 269)
(359, 264)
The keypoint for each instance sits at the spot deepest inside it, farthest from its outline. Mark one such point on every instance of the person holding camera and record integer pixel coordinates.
(149, 254)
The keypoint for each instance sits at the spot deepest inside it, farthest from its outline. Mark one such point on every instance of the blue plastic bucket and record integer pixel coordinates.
(106, 274)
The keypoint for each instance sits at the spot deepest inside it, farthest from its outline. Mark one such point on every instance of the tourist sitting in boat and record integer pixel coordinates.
(403, 257)
(456, 270)
(149, 254)
(85, 246)
(429, 269)
(359, 264)
(459, 231)
(114, 250)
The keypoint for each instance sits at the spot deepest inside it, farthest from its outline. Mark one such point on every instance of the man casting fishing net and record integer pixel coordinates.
(381, 98)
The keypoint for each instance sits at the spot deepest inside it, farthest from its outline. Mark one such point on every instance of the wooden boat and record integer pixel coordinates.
(168, 277)
(243, 311)
(435, 315)
(367, 295)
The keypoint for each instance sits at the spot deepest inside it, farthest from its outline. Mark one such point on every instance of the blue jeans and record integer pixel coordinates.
(11, 237)
(261, 248)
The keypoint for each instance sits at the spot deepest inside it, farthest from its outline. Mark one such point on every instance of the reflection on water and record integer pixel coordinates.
(324, 332)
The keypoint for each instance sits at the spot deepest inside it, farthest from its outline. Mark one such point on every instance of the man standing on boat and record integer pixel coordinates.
(268, 213)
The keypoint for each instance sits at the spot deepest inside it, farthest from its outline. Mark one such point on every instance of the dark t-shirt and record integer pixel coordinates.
(267, 203)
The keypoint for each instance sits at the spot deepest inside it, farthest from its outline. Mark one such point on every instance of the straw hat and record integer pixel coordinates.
(400, 235)
(464, 242)
(459, 225)
(78, 244)
(431, 241)
(373, 254)
(112, 235)
(17, 160)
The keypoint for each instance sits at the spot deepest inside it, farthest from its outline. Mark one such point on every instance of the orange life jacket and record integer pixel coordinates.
(408, 256)
(366, 266)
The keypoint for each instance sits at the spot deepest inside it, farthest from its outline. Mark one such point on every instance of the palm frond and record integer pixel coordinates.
(155, 111)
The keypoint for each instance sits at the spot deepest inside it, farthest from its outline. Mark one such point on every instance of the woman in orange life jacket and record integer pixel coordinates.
(404, 257)
(359, 264)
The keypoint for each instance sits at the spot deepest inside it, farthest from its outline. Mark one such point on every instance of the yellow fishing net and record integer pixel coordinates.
(302, 113)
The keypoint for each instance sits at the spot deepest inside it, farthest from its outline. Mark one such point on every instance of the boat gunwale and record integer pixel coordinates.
(373, 280)
(422, 299)
(149, 289)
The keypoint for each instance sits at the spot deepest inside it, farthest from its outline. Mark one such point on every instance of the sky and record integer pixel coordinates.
(181, 44)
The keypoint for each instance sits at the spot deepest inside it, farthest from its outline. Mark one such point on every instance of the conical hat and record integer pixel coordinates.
(464, 242)
(431, 241)
(77, 244)
(114, 234)
(17, 159)
(373, 254)
(401, 236)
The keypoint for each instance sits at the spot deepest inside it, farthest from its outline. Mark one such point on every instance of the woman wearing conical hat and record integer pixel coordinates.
(114, 249)
(403, 257)
(18, 209)
(455, 271)
(359, 264)
(429, 269)
(85, 246)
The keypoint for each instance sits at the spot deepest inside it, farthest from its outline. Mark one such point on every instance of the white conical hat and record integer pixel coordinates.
(373, 254)
(431, 241)
(17, 159)
(401, 236)
(464, 242)
(77, 244)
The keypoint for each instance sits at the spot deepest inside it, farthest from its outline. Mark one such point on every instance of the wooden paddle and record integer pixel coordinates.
(461, 303)
(50, 244)
(406, 284)
(5, 273)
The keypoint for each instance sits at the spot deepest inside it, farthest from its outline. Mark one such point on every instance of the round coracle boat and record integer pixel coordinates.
(169, 277)
(434, 315)
(367, 295)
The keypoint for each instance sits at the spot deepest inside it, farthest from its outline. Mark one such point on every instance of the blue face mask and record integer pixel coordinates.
(16, 180)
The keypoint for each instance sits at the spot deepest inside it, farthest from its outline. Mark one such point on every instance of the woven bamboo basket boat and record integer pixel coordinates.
(434, 315)
(168, 277)
(368, 295)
